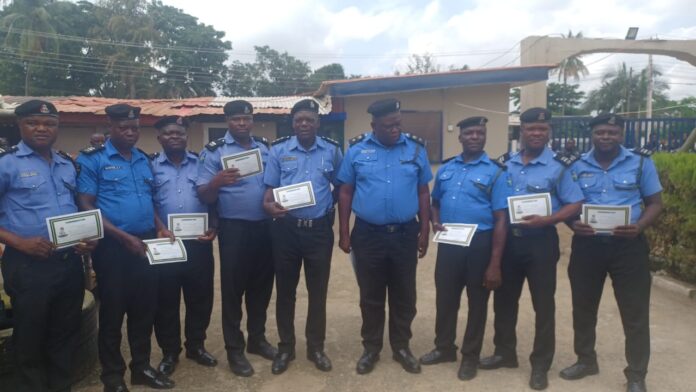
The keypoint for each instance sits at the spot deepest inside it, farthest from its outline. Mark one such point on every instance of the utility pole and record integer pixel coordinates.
(649, 103)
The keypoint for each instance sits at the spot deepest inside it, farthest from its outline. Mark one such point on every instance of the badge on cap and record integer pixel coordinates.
(311, 104)
(483, 121)
(44, 109)
(179, 121)
(398, 104)
(612, 120)
(246, 110)
(542, 116)
(131, 114)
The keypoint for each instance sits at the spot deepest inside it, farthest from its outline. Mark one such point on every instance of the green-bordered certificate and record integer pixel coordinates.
(188, 226)
(526, 205)
(604, 219)
(295, 196)
(164, 251)
(248, 163)
(68, 230)
(456, 234)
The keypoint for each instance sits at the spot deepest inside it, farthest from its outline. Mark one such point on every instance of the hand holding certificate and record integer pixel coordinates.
(69, 230)
(604, 219)
(188, 226)
(527, 205)
(164, 251)
(248, 163)
(295, 196)
(456, 234)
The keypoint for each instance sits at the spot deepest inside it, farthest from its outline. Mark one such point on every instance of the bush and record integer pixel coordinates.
(673, 237)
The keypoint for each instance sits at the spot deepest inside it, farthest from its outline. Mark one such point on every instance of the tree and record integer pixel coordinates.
(420, 64)
(570, 67)
(564, 99)
(328, 72)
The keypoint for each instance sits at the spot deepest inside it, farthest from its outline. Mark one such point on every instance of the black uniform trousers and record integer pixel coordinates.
(195, 278)
(246, 274)
(386, 258)
(127, 285)
(457, 267)
(46, 297)
(296, 241)
(532, 256)
(626, 262)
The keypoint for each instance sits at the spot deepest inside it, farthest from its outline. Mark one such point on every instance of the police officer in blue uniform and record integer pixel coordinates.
(175, 172)
(117, 179)
(303, 235)
(469, 188)
(246, 265)
(385, 182)
(45, 285)
(609, 174)
(532, 250)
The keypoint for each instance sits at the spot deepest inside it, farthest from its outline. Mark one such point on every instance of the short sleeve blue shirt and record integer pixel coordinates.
(32, 190)
(175, 187)
(541, 175)
(620, 184)
(469, 192)
(386, 179)
(290, 163)
(123, 188)
(243, 199)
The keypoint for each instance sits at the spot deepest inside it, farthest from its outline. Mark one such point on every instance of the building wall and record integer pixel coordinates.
(494, 98)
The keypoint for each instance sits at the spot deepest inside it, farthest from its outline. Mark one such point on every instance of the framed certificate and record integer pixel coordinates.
(526, 205)
(295, 196)
(68, 230)
(456, 234)
(164, 251)
(188, 226)
(604, 219)
(249, 162)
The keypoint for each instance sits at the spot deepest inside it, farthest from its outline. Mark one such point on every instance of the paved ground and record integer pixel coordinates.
(673, 322)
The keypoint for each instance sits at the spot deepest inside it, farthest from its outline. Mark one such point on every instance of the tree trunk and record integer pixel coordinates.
(26, 80)
(689, 143)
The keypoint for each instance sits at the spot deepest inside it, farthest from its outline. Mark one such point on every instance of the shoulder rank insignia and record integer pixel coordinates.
(331, 141)
(357, 139)
(10, 150)
(91, 150)
(503, 158)
(70, 159)
(566, 160)
(144, 153)
(215, 144)
(191, 152)
(499, 164)
(449, 159)
(280, 140)
(153, 156)
(642, 151)
(415, 138)
(260, 139)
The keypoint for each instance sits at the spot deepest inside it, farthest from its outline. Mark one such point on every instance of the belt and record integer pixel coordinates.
(388, 228)
(526, 232)
(308, 223)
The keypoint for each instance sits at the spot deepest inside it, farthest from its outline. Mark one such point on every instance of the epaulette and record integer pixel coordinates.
(261, 139)
(192, 153)
(143, 152)
(280, 140)
(9, 150)
(65, 155)
(91, 149)
(565, 160)
(356, 139)
(415, 138)
(153, 156)
(503, 158)
(642, 151)
(212, 146)
(499, 164)
(449, 159)
(331, 141)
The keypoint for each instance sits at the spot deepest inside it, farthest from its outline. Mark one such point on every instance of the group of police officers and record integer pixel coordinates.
(383, 179)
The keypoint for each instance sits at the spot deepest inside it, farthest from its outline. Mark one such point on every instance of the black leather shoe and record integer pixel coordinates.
(437, 356)
(115, 388)
(201, 357)
(264, 349)
(239, 364)
(168, 364)
(407, 360)
(538, 380)
(579, 370)
(367, 362)
(467, 370)
(636, 386)
(497, 362)
(152, 379)
(320, 359)
(281, 362)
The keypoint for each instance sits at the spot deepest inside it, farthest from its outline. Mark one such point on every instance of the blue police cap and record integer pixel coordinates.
(309, 105)
(472, 121)
(383, 107)
(607, 118)
(122, 111)
(36, 107)
(178, 120)
(239, 106)
(535, 115)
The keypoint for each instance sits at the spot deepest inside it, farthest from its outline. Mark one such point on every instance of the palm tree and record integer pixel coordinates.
(570, 67)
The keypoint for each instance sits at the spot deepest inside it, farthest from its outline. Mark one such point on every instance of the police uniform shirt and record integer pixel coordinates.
(386, 179)
(243, 199)
(544, 174)
(175, 187)
(290, 163)
(123, 188)
(469, 192)
(621, 183)
(31, 190)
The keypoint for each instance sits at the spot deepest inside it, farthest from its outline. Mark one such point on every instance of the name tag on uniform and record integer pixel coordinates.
(112, 167)
(28, 174)
(288, 158)
(367, 151)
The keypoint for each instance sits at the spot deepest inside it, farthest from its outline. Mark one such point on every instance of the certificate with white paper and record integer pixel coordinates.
(70, 229)
(164, 251)
(248, 163)
(295, 196)
(456, 234)
(604, 219)
(526, 205)
(188, 226)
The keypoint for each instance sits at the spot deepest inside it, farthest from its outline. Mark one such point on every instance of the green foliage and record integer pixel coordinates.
(673, 238)
(564, 99)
